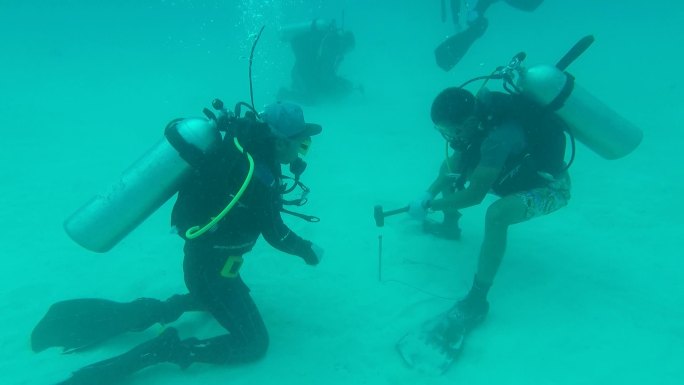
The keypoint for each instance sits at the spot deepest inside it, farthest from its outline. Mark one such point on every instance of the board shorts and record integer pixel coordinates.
(545, 200)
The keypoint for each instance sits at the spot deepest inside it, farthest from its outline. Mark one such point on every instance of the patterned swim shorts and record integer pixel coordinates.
(544, 200)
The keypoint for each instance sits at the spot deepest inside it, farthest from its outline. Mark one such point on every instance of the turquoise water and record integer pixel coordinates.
(591, 294)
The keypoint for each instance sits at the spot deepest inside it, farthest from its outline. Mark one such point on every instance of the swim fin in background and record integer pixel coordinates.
(80, 323)
(525, 5)
(452, 50)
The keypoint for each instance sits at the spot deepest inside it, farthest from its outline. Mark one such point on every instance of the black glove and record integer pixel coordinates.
(312, 255)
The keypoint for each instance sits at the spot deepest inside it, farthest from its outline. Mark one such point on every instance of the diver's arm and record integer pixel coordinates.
(278, 235)
(494, 152)
(480, 182)
(437, 185)
(285, 240)
(446, 175)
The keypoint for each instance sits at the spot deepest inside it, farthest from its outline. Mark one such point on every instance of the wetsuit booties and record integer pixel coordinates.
(447, 229)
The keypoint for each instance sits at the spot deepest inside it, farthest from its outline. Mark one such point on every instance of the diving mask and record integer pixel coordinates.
(304, 147)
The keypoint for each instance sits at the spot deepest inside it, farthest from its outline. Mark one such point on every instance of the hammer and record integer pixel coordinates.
(380, 215)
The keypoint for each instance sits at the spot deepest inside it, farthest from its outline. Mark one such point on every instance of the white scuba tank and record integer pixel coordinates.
(144, 186)
(289, 31)
(591, 121)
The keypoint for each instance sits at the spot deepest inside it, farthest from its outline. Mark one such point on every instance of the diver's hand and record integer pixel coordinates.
(418, 207)
(313, 254)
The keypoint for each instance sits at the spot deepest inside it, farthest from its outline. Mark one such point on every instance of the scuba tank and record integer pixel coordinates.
(289, 31)
(107, 218)
(149, 182)
(589, 120)
(188, 143)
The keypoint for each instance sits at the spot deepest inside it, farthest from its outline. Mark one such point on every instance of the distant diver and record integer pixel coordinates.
(452, 50)
(319, 47)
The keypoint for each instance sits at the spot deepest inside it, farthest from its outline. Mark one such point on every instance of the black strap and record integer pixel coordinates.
(308, 218)
(558, 102)
(187, 151)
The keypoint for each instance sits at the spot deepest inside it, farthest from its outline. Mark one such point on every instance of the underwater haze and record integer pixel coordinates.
(592, 294)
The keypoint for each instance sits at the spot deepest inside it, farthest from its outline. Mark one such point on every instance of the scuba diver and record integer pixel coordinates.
(244, 176)
(513, 145)
(452, 50)
(503, 144)
(319, 48)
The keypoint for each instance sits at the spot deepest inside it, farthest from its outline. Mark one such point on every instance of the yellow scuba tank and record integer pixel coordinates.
(144, 186)
(591, 121)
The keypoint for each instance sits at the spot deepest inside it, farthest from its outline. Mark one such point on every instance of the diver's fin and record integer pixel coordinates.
(163, 348)
(80, 323)
(451, 51)
(427, 347)
(525, 5)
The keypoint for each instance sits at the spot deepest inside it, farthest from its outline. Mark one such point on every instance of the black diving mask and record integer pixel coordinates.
(304, 147)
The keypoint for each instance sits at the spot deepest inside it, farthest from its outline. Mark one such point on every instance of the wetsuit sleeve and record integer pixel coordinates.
(277, 234)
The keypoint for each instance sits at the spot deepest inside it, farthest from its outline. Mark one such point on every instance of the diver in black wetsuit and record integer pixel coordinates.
(212, 260)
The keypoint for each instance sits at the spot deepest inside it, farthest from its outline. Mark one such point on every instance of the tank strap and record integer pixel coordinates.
(558, 102)
(188, 152)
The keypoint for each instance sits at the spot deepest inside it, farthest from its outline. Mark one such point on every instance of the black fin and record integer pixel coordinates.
(452, 50)
(79, 323)
(116, 369)
(525, 5)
